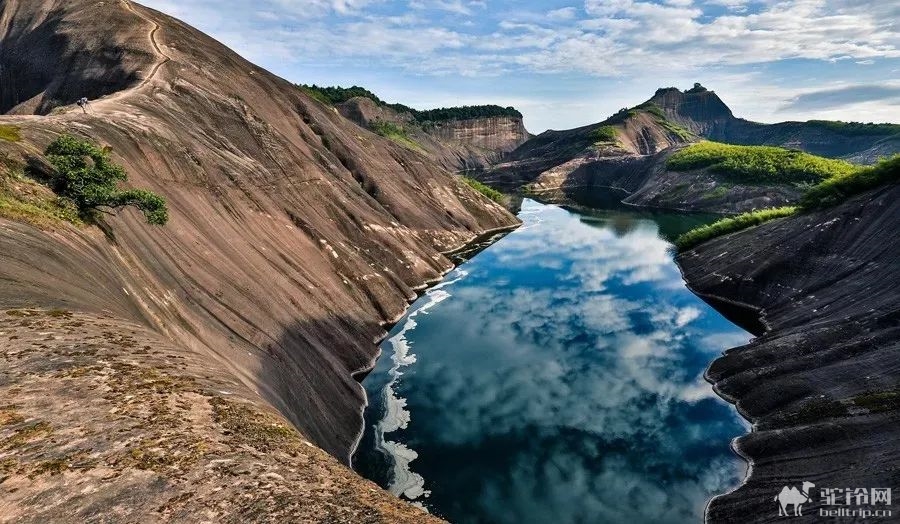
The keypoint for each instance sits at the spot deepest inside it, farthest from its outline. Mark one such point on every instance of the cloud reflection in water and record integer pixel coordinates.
(558, 378)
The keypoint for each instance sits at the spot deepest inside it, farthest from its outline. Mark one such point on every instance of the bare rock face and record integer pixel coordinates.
(365, 111)
(502, 134)
(456, 145)
(698, 110)
(821, 383)
(294, 237)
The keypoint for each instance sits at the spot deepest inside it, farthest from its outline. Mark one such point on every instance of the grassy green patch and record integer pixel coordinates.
(879, 402)
(677, 130)
(487, 191)
(724, 226)
(658, 114)
(629, 112)
(720, 191)
(758, 164)
(41, 214)
(856, 128)
(837, 189)
(26, 434)
(246, 425)
(10, 133)
(605, 134)
(24, 200)
(339, 95)
(395, 132)
(51, 467)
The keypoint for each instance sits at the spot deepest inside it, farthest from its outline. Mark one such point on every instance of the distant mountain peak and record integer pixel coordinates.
(698, 109)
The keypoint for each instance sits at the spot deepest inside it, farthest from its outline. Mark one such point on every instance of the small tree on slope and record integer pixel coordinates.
(86, 175)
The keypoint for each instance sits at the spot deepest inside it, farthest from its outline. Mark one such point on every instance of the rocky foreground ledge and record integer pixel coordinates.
(106, 421)
(821, 383)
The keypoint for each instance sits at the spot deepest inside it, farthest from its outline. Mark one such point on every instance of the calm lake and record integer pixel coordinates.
(556, 377)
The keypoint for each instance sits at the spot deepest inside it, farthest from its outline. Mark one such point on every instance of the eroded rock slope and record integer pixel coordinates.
(456, 145)
(294, 237)
(821, 383)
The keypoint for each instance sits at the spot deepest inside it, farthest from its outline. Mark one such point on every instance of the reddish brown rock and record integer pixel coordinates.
(294, 234)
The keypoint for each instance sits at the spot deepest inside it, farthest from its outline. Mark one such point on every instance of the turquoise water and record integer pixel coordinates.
(556, 377)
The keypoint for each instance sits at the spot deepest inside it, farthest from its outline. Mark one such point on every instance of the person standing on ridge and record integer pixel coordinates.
(83, 104)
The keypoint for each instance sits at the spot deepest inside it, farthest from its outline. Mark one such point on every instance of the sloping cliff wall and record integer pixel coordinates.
(455, 145)
(821, 384)
(294, 235)
(698, 110)
(502, 134)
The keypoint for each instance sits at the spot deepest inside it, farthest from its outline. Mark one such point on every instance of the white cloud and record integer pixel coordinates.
(630, 46)
(565, 13)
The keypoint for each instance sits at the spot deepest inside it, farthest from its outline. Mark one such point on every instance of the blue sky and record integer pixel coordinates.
(571, 63)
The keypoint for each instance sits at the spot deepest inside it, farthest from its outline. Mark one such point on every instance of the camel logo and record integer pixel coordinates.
(791, 496)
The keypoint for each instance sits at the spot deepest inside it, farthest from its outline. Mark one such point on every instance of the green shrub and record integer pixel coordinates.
(724, 226)
(856, 128)
(487, 191)
(465, 113)
(10, 133)
(605, 134)
(388, 129)
(395, 132)
(339, 95)
(85, 175)
(758, 164)
(880, 402)
(837, 189)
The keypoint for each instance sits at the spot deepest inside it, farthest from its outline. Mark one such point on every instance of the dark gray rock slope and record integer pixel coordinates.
(821, 383)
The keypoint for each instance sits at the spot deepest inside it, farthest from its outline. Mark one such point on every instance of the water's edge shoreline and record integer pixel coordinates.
(360, 375)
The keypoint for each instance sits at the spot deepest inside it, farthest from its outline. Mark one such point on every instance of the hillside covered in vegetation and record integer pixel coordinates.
(836, 185)
(338, 95)
(758, 164)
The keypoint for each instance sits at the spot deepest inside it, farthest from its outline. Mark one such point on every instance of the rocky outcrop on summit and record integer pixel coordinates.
(698, 110)
(295, 237)
(821, 383)
(455, 145)
(705, 114)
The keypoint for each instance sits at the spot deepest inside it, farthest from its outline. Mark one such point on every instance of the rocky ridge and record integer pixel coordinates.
(456, 145)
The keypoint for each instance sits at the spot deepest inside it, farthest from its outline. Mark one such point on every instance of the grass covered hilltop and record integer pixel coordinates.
(828, 182)
(758, 164)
